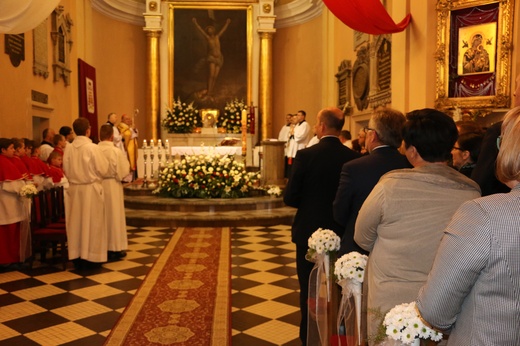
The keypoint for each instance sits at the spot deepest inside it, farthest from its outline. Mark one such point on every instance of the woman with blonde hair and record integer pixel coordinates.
(473, 289)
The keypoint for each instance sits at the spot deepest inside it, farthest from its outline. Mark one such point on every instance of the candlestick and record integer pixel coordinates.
(252, 119)
(145, 156)
(167, 148)
(159, 143)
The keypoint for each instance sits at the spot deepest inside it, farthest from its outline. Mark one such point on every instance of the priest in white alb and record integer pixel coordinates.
(114, 200)
(85, 166)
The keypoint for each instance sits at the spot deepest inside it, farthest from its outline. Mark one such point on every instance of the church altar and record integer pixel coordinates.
(183, 151)
(197, 139)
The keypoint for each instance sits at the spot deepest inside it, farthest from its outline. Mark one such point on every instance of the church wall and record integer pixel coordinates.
(21, 117)
(297, 71)
(119, 54)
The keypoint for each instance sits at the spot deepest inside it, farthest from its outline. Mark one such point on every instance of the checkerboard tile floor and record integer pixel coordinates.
(265, 298)
(48, 306)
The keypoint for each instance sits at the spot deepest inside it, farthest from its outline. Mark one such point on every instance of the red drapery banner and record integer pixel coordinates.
(368, 16)
(87, 96)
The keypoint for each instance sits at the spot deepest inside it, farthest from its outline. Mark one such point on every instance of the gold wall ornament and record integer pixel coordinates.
(267, 8)
(152, 6)
(62, 44)
(464, 82)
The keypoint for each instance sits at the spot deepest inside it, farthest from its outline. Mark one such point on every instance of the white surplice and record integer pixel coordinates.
(114, 201)
(85, 166)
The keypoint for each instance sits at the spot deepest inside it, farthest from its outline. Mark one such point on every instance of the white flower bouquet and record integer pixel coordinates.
(351, 266)
(231, 120)
(182, 118)
(323, 241)
(323, 246)
(403, 324)
(28, 191)
(274, 191)
(350, 272)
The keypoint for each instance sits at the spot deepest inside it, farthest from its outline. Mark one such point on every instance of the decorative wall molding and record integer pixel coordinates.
(62, 44)
(128, 11)
(131, 11)
(40, 49)
(297, 12)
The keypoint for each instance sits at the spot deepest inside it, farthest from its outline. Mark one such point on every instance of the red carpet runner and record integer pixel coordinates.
(185, 299)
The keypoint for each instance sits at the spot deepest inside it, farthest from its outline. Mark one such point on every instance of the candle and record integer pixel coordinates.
(145, 144)
(244, 117)
(151, 143)
(159, 144)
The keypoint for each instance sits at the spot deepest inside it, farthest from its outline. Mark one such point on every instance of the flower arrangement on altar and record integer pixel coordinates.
(28, 191)
(273, 190)
(231, 120)
(206, 176)
(404, 324)
(181, 118)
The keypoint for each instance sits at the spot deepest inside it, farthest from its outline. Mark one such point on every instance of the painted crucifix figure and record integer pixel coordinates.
(214, 59)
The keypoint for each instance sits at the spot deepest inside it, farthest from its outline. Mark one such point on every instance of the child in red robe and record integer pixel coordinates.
(16, 159)
(11, 206)
(56, 170)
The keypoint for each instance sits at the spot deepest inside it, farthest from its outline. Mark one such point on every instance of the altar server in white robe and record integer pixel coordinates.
(114, 201)
(85, 166)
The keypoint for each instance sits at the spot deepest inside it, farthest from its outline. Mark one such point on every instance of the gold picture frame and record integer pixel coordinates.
(189, 51)
(485, 27)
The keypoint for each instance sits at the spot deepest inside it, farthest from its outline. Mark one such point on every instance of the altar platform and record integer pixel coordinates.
(145, 209)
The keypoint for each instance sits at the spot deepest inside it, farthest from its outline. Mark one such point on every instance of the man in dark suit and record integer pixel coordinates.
(311, 188)
(358, 177)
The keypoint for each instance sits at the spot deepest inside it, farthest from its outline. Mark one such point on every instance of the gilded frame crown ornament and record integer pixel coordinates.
(473, 55)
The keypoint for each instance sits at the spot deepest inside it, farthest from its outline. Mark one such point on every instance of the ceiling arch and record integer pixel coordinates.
(288, 12)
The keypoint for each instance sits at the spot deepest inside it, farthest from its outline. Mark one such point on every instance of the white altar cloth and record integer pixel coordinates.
(205, 150)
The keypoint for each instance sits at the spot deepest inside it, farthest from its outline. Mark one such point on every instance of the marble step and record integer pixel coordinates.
(143, 208)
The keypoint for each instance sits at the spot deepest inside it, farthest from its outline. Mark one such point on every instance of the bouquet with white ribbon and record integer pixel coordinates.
(323, 246)
(350, 272)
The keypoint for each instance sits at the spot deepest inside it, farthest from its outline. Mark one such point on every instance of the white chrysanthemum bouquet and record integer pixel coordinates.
(323, 241)
(351, 266)
(350, 272)
(28, 191)
(403, 323)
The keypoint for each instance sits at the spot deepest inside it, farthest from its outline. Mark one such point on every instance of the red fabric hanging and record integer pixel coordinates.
(368, 16)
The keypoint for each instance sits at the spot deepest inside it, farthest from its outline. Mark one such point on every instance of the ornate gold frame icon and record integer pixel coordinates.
(482, 89)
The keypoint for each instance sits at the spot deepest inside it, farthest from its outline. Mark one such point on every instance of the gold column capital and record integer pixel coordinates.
(153, 33)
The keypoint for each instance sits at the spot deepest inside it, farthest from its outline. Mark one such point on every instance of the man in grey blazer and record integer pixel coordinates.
(358, 177)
